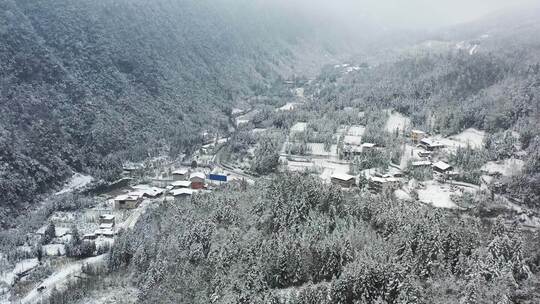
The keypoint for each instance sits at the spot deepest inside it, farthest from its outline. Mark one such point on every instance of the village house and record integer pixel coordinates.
(368, 146)
(442, 169)
(90, 236)
(180, 174)
(146, 191)
(180, 184)
(351, 151)
(131, 170)
(197, 180)
(106, 232)
(424, 154)
(106, 226)
(107, 219)
(343, 180)
(381, 184)
(183, 192)
(417, 135)
(431, 145)
(127, 201)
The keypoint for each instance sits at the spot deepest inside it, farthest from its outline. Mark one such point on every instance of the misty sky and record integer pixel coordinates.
(409, 13)
(439, 12)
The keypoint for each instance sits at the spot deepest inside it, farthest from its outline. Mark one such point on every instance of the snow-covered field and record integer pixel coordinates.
(356, 130)
(317, 149)
(472, 137)
(329, 167)
(299, 127)
(54, 249)
(299, 92)
(397, 121)
(289, 106)
(325, 168)
(437, 195)
(352, 140)
(21, 267)
(77, 181)
(508, 167)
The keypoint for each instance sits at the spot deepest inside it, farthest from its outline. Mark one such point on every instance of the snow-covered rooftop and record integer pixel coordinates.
(342, 176)
(178, 192)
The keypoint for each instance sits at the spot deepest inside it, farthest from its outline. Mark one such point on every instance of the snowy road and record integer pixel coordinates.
(60, 279)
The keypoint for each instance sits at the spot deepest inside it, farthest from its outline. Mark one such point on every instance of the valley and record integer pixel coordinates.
(248, 152)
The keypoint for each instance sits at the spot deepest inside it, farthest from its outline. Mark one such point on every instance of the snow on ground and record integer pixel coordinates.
(473, 50)
(329, 168)
(356, 130)
(60, 278)
(130, 222)
(352, 140)
(77, 181)
(325, 167)
(437, 195)
(113, 294)
(289, 106)
(397, 121)
(54, 249)
(409, 153)
(317, 149)
(240, 122)
(402, 195)
(299, 92)
(299, 127)
(258, 130)
(20, 268)
(236, 111)
(508, 167)
(472, 137)
(296, 166)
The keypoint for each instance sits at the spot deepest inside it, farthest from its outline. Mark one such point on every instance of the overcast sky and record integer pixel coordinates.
(409, 13)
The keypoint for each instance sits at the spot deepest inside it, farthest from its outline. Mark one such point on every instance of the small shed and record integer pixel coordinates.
(380, 184)
(197, 180)
(343, 180)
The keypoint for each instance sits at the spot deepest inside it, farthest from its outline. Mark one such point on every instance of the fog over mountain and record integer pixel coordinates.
(270, 151)
(411, 14)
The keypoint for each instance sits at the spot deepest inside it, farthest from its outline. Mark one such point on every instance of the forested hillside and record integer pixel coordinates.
(295, 239)
(86, 85)
(490, 83)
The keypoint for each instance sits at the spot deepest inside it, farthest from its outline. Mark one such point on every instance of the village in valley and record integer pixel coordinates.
(356, 149)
